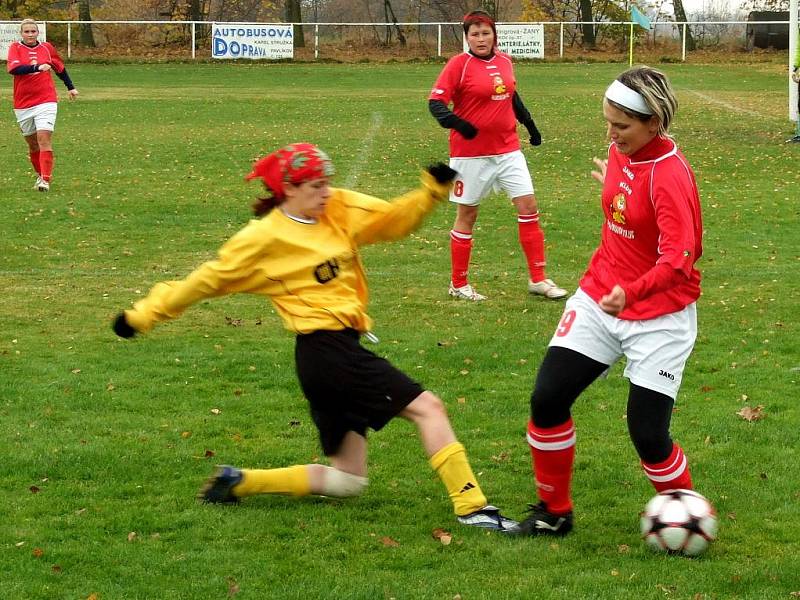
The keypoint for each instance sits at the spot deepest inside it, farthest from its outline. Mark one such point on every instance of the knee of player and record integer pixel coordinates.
(341, 484)
(431, 405)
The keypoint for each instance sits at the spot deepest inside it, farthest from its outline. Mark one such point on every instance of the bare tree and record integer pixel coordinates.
(86, 34)
(195, 13)
(295, 15)
(388, 12)
(589, 41)
(490, 6)
(680, 15)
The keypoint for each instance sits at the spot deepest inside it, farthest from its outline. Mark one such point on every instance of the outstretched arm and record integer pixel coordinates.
(233, 271)
(375, 220)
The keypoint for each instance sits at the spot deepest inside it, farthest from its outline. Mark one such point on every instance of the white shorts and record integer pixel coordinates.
(41, 117)
(479, 176)
(656, 349)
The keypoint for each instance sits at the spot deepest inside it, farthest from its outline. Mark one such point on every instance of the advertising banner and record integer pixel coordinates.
(252, 40)
(520, 41)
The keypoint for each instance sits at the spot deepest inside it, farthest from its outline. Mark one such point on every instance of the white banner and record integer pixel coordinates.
(9, 33)
(520, 41)
(251, 40)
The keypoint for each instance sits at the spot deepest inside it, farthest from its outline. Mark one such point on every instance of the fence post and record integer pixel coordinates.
(683, 44)
(561, 41)
(316, 41)
(69, 40)
(193, 39)
(439, 40)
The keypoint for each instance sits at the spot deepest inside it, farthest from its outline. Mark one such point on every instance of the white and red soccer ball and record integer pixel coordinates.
(679, 522)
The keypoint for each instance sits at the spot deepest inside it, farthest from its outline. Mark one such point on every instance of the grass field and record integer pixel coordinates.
(104, 442)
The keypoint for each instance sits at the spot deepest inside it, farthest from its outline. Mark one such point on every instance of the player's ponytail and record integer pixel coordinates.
(263, 206)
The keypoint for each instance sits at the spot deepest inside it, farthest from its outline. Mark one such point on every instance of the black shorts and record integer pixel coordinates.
(349, 388)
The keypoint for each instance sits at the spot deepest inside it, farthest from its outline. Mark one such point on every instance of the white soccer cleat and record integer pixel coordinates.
(38, 181)
(489, 517)
(42, 185)
(465, 292)
(546, 288)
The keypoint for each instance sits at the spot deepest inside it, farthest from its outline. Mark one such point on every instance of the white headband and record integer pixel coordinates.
(624, 96)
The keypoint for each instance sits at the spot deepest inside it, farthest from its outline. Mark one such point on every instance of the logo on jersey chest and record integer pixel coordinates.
(499, 87)
(618, 205)
(327, 271)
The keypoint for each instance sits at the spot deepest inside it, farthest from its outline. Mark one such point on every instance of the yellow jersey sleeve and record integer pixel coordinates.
(234, 270)
(371, 220)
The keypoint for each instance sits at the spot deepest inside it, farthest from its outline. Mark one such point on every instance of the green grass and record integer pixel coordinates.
(116, 435)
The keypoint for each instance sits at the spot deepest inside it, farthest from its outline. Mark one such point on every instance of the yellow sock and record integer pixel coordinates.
(290, 480)
(451, 464)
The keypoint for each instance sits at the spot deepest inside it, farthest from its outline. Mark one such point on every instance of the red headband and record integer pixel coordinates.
(295, 164)
(472, 18)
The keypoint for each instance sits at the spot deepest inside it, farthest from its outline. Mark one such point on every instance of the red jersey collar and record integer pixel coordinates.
(658, 147)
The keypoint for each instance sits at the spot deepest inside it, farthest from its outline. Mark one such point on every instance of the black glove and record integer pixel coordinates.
(122, 328)
(466, 129)
(536, 137)
(442, 173)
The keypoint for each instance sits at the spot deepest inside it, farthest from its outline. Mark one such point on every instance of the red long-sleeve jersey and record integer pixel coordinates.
(36, 88)
(652, 234)
(481, 90)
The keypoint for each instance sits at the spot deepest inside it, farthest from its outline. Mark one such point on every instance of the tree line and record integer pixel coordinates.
(391, 12)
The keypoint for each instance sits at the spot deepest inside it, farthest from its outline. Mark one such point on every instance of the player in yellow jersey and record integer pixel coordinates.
(303, 254)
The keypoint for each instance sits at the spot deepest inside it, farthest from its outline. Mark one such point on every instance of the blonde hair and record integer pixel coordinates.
(657, 92)
(28, 22)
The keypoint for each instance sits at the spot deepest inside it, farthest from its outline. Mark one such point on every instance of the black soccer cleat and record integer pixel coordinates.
(218, 488)
(543, 522)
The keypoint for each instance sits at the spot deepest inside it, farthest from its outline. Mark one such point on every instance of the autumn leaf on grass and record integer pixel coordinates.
(389, 542)
(444, 536)
(132, 536)
(502, 457)
(37, 553)
(233, 587)
(752, 414)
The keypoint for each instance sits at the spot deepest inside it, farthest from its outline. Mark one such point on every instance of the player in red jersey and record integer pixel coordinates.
(485, 150)
(636, 299)
(35, 102)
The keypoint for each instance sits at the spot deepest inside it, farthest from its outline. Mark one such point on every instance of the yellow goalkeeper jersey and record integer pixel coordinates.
(312, 272)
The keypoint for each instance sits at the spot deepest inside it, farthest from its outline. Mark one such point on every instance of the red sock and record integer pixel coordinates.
(46, 162)
(35, 162)
(460, 250)
(531, 238)
(671, 474)
(553, 453)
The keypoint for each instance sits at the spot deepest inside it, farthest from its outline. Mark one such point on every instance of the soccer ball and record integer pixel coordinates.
(679, 522)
